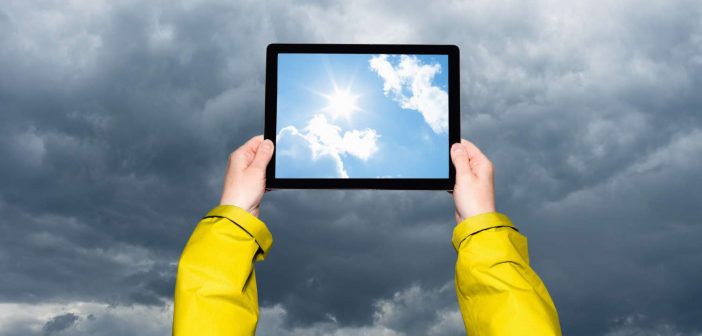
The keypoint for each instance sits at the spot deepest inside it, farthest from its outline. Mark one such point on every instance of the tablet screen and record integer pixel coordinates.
(362, 116)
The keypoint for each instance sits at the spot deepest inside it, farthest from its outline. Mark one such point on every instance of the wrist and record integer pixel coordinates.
(249, 209)
(235, 202)
(245, 203)
(461, 216)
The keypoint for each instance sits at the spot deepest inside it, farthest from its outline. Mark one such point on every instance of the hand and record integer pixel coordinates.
(474, 192)
(245, 180)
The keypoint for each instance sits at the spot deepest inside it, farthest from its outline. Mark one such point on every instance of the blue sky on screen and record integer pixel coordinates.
(362, 116)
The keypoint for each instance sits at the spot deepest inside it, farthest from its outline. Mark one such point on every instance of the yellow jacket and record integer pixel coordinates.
(498, 293)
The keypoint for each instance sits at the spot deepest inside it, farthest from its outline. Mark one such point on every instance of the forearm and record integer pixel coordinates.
(498, 292)
(216, 290)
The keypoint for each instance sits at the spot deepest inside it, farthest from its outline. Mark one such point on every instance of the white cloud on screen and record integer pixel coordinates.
(325, 140)
(409, 84)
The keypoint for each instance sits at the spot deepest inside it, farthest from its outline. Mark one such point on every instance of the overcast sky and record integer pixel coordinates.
(116, 119)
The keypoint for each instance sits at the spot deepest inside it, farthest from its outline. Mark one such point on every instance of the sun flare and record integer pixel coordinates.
(341, 103)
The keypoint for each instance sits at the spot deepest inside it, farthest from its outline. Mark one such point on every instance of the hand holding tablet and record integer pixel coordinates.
(362, 116)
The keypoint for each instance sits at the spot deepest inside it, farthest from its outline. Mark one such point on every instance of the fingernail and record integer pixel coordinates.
(456, 148)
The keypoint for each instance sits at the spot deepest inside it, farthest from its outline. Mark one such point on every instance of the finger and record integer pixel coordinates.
(244, 155)
(472, 149)
(479, 163)
(253, 143)
(459, 157)
(263, 155)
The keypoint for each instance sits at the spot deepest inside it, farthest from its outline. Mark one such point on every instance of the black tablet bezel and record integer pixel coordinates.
(270, 129)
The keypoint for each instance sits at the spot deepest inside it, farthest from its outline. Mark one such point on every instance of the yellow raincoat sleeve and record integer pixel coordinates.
(498, 292)
(215, 290)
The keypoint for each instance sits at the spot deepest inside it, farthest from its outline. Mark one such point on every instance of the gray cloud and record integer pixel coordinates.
(60, 323)
(116, 119)
(84, 318)
(412, 311)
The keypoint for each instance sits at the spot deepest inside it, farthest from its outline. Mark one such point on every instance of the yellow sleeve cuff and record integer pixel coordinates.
(252, 225)
(477, 223)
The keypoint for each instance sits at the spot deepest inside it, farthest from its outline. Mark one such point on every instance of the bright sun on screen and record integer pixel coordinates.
(342, 103)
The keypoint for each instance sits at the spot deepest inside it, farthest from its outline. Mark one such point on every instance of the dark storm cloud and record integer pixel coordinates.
(344, 252)
(643, 253)
(110, 137)
(116, 119)
(60, 323)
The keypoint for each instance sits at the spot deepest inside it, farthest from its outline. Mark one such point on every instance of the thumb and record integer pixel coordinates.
(263, 155)
(459, 157)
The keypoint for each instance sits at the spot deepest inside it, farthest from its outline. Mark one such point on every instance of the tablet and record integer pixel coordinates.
(362, 116)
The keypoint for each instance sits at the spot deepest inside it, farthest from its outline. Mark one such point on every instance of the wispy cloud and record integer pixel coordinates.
(410, 84)
(325, 139)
